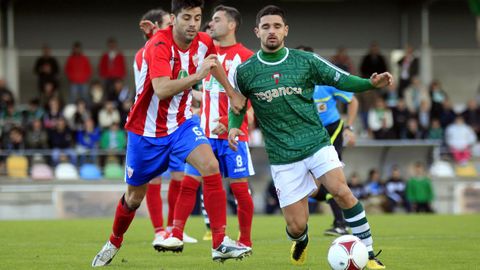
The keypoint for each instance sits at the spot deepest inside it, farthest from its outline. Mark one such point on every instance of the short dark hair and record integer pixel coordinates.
(154, 15)
(231, 12)
(304, 48)
(178, 5)
(271, 10)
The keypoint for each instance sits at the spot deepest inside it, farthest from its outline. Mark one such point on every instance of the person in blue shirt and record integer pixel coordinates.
(340, 131)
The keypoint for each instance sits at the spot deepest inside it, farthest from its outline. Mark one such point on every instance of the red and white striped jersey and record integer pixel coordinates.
(150, 116)
(215, 102)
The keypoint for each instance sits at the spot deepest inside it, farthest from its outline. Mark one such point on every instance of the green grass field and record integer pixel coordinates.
(408, 242)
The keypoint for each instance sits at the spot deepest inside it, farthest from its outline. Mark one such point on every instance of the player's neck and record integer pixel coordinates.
(180, 41)
(227, 41)
(273, 56)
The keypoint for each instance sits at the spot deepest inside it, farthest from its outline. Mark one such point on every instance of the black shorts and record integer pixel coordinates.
(335, 130)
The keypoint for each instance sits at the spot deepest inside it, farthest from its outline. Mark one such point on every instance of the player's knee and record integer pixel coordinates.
(343, 196)
(209, 167)
(133, 200)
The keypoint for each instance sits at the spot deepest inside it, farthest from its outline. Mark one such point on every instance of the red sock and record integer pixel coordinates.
(155, 207)
(215, 200)
(173, 191)
(184, 206)
(121, 222)
(244, 211)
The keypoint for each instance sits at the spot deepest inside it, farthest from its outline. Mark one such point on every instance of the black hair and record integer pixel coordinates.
(154, 15)
(231, 12)
(271, 10)
(178, 5)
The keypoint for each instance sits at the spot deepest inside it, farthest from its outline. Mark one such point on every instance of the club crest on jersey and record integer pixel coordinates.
(182, 74)
(195, 60)
(276, 76)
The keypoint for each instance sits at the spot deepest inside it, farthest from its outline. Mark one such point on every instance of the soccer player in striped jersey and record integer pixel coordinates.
(237, 166)
(279, 82)
(150, 23)
(160, 127)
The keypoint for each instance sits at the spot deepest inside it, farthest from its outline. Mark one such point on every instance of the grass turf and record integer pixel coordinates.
(408, 242)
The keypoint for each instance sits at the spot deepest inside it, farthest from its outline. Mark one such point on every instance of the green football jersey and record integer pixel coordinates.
(280, 87)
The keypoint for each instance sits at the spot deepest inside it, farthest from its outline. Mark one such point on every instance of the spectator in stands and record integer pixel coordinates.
(357, 187)
(271, 199)
(409, 68)
(460, 138)
(6, 96)
(435, 132)
(400, 119)
(10, 117)
(108, 115)
(373, 62)
(375, 190)
(395, 192)
(120, 93)
(373, 184)
(36, 137)
(97, 98)
(112, 65)
(49, 91)
(390, 96)
(123, 98)
(472, 115)
(34, 112)
(437, 96)
(113, 140)
(380, 120)
(343, 61)
(78, 71)
(419, 190)
(415, 94)
(413, 131)
(448, 114)
(423, 118)
(80, 117)
(53, 113)
(14, 143)
(46, 68)
(87, 142)
(61, 141)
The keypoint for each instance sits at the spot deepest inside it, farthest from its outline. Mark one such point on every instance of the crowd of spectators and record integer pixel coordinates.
(395, 194)
(90, 119)
(79, 127)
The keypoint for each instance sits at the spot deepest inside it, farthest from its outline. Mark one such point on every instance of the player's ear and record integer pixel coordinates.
(286, 30)
(232, 25)
(255, 30)
(173, 19)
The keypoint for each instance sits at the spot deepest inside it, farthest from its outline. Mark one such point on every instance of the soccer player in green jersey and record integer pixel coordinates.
(280, 83)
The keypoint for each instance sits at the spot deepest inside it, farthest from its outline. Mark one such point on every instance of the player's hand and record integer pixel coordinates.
(237, 102)
(381, 80)
(349, 137)
(232, 138)
(208, 63)
(220, 128)
(147, 27)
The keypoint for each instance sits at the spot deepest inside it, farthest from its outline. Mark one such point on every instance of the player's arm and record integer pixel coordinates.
(164, 87)
(237, 100)
(328, 74)
(235, 119)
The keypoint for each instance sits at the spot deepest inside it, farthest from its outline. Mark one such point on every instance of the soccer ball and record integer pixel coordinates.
(347, 253)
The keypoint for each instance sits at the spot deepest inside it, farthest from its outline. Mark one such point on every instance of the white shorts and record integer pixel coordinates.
(294, 181)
